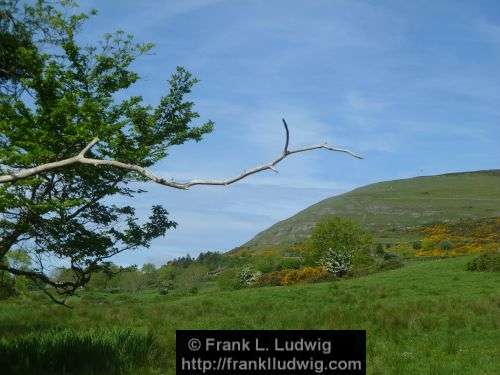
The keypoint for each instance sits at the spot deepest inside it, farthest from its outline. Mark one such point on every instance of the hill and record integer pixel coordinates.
(389, 209)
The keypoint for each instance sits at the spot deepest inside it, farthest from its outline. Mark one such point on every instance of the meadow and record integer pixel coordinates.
(429, 317)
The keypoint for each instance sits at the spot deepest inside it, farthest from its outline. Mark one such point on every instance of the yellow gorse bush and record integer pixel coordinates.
(466, 237)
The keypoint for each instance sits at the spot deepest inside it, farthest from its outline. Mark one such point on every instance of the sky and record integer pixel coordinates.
(413, 86)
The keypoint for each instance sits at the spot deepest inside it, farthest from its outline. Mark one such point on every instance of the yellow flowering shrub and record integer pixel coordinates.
(464, 237)
(306, 274)
(292, 276)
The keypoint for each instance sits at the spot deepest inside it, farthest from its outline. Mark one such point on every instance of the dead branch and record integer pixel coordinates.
(82, 159)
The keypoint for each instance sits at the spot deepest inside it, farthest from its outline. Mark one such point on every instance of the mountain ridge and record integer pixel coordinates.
(389, 207)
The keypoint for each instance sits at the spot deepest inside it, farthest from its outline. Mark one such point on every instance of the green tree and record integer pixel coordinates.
(150, 275)
(101, 279)
(55, 96)
(190, 276)
(70, 139)
(13, 284)
(339, 235)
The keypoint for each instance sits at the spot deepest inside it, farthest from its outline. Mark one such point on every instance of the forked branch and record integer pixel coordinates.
(82, 159)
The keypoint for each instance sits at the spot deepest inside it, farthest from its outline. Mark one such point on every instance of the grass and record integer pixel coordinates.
(430, 317)
(111, 351)
(389, 208)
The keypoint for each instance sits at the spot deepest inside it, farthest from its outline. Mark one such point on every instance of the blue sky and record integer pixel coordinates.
(411, 85)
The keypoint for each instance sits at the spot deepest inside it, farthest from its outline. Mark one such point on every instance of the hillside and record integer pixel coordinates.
(390, 208)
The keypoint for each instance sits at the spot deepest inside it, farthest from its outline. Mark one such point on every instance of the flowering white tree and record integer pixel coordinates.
(337, 262)
(248, 276)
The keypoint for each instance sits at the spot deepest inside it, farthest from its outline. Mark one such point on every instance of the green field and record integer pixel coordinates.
(429, 317)
(388, 209)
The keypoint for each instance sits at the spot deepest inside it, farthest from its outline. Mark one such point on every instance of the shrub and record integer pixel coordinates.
(293, 276)
(192, 275)
(228, 279)
(390, 261)
(270, 279)
(379, 250)
(7, 287)
(390, 256)
(427, 244)
(485, 262)
(165, 287)
(390, 265)
(306, 274)
(446, 245)
(266, 261)
(291, 263)
(248, 275)
(163, 291)
(337, 262)
(417, 245)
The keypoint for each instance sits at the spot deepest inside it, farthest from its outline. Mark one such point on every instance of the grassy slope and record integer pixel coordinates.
(430, 317)
(387, 208)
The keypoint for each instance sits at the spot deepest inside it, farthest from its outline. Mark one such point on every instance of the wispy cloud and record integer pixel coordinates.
(361, 103)
(405, 85)
(489, 31)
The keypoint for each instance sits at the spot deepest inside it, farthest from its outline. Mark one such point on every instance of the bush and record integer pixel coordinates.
(7, 288)
(446, 245)
(337, 262)
(417, 245)
(291, 263)
(265, 263)
(390, 261)
(165, 287)
(390, 256)
(228, 279)
(293, 276)
(248, 275)
(270, 279)
(187, 277)
(306, 274)
(489, 262)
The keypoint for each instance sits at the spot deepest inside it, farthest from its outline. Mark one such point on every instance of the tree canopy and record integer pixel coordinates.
(55, 96)
(339, 235)
(69, 142)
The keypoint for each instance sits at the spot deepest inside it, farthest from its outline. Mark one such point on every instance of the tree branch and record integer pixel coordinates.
(82, 159)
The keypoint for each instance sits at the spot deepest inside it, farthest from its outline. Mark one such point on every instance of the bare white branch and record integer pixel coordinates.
(82, 159)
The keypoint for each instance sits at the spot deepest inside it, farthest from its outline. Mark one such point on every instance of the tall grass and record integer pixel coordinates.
(110, 351)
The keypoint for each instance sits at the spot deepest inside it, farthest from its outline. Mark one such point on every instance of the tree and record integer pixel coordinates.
(248, 276)
(100, 280)
(150, 275)
(336, 234)
(68, 143)
(337, 262)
